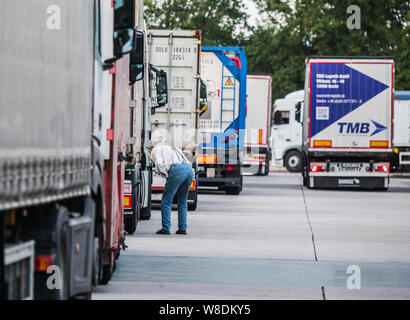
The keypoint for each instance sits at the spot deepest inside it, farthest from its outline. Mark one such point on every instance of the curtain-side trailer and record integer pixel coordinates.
(56, 103)
(348, 122)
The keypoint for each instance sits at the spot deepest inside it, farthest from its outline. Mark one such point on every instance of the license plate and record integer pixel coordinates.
(210, 172)
(349, 167)
(156, 196)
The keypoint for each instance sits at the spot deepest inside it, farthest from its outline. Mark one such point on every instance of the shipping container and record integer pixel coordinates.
(177, 52)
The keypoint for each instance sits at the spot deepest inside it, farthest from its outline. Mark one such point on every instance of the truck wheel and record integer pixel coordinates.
(193, 205)
(267, 165)
(146, 212)
(130, 223)
(106, 274)
(233, 190)
(293, 161)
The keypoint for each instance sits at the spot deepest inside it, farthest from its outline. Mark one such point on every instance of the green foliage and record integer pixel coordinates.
(318, 27)
(219, 20)
(294, 30)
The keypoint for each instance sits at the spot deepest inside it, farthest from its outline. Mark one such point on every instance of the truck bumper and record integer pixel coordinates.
(348, 182)
(220, 182)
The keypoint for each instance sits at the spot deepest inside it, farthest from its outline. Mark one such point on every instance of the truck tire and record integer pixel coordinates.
(192, 206)
(106, 274)
(130, 223)
(194, 196)
(233, 190)
(266, 165)
(293, 161)
(146, 212)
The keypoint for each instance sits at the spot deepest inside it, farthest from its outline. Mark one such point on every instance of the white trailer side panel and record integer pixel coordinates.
(258, 110)
(401, 123)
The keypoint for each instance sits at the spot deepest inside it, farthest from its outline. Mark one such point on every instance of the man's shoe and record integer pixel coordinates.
(181, 232)
(162, 231)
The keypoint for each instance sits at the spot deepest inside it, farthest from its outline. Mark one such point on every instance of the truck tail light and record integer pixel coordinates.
(382, 167)
(317, 167)
(127, 201)
(206, 159)
(192, 186)
(42, 262)
(230, 168)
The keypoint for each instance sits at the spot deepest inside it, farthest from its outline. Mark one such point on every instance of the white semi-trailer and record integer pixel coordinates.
(401, 139)
(256, 158)
(348, 122)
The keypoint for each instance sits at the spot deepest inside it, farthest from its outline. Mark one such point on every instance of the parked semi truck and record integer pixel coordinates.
(60, 145)
(401, 139)
(348, 122)
(177, 52)
(222, 124)
(138, 174)
(258, 115)
(286, 132)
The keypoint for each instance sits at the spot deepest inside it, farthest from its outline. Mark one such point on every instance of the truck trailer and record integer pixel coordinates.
(56, 152)
(348, 122)
(258, 115)
(177, 52)
(401, 139)
(138, 173)
(222, 125)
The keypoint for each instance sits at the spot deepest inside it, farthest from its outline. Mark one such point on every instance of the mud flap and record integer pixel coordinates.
(81, 238)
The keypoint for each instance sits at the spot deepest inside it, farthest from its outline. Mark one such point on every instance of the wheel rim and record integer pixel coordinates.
(294, 161)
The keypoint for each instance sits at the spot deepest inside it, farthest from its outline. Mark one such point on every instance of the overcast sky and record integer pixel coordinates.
(252, 11)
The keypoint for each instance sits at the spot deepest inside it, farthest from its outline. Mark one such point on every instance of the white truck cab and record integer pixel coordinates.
(286, 133)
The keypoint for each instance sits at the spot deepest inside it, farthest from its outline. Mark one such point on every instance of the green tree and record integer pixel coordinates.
(221, 21)
(318, 27)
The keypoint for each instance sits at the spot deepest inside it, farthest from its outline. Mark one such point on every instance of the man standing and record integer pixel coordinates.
(171, 163)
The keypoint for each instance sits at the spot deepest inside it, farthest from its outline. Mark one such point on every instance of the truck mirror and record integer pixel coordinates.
(123, 41)
(162, 88)
(137, 58)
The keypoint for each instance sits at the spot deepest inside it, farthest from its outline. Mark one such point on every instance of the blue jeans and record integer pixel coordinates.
(179, 180)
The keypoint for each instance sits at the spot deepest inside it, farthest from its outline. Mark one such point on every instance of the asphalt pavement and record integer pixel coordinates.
(276, 240)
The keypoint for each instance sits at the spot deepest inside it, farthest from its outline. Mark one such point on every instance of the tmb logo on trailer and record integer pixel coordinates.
(348, 104)
(360, 128)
